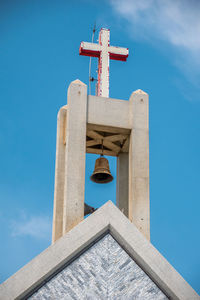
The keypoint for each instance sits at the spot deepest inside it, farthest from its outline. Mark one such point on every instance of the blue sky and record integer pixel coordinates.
(39, 44)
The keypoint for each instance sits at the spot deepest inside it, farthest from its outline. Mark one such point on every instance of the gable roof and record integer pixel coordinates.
(104, 271)
(106, 219)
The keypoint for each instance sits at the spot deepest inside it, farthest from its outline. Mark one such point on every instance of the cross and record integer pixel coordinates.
(104, 52)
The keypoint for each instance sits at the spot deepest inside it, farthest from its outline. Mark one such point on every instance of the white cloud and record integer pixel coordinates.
(175, 22)
(34, 226)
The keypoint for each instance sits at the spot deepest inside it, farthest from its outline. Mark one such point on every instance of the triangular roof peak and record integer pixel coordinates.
(106, 219)
(139, 92)
(77, 81)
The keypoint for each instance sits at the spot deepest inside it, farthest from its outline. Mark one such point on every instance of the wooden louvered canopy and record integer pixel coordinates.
(114, 140)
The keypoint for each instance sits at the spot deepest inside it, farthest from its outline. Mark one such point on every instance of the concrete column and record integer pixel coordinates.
(73, 210)
(59, 175)
(139, 210)
(122, 200)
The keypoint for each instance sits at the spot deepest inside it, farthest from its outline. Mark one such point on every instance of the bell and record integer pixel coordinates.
(101, 172)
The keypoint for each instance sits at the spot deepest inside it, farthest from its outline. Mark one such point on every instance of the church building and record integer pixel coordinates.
(107, 255)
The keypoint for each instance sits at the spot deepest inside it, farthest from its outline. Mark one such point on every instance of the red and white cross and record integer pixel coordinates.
(104, 52)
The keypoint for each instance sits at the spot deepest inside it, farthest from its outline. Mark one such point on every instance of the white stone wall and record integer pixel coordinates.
(104, 271)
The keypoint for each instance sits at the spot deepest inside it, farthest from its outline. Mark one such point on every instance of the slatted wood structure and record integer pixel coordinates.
(106, 140)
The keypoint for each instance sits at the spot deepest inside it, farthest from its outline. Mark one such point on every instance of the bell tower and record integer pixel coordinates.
(102, 125)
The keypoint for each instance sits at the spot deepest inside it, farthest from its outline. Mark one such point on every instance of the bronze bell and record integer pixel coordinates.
(101, 172)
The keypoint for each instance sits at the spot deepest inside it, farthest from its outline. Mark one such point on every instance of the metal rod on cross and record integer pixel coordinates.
(104, 52)
(90, 78)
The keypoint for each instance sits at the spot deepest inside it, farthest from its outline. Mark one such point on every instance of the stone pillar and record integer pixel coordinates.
(59, 175)
(73, 208)
(139, 212)
(122, 200)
